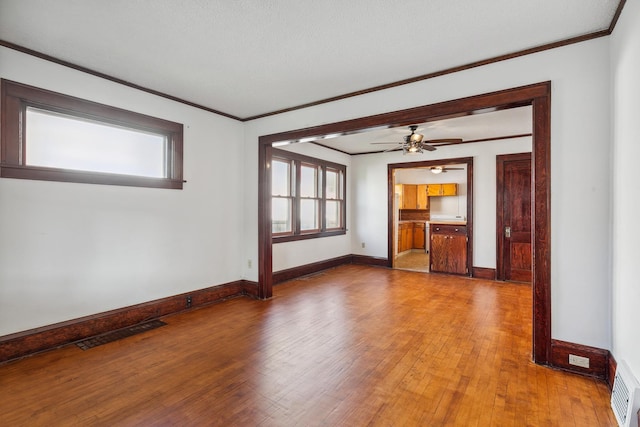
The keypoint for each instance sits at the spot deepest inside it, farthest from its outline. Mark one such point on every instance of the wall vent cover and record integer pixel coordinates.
(625, 396)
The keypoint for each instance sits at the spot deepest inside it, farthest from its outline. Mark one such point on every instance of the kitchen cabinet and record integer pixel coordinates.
(422, 201)
(405, 236)
(411, 235)
(418, 235)
(450, 189)
(448, 248)
(409, 196)
(412, 196)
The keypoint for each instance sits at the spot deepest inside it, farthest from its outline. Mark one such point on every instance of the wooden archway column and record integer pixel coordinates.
(537, 95)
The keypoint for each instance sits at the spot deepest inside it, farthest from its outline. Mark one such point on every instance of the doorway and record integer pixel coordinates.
(417, 257)
(513, 218)
(537, 95)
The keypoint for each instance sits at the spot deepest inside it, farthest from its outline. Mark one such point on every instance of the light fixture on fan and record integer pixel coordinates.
(436, 169)
(415, 143)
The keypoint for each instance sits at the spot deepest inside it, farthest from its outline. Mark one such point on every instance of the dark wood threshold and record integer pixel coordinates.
(599, 363)
(483, 273)
(36, 340)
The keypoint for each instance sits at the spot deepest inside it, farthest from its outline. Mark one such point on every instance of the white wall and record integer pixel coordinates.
(580, 173)
(68, 250)
(625, 67)
(484, 172)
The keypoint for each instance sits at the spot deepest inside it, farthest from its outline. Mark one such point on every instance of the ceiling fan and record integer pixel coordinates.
(414, 143)
(442, 169)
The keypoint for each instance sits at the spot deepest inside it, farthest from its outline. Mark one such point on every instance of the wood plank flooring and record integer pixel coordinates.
(350, 346)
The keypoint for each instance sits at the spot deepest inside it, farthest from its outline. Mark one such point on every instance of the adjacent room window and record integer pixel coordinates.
(308, 197)
(51, 136)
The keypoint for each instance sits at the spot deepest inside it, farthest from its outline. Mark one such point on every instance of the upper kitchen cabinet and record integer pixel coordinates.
(442, 189)
(412, 196)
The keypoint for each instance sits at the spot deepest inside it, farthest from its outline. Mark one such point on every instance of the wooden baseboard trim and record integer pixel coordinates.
(611, 370)
(36, 340)
(303, 270)
(483, 273)
(598, 359)
(369, 260)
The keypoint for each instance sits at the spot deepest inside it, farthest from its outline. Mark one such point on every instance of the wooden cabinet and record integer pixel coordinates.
(422, 201)
(448, 249)
(405, 236)
(418, 235)
(450, 189)
(411, 235)
(412, 196)
(409, 196)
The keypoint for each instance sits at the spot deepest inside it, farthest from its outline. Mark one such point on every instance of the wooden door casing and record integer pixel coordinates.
(514, 255)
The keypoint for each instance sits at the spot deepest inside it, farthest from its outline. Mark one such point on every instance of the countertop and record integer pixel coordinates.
(448, 222)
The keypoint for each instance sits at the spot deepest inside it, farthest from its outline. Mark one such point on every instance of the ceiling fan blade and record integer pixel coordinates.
(397, 143)
(388, 150)
(428, 147)
(445, 141)
(453, 169)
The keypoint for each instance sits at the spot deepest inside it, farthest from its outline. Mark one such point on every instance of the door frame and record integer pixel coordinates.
(538, 95)
(392, 167)
(500, 161)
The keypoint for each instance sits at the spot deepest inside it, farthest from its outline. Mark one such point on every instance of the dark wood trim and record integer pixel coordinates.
(616, 16)
(303, 270)
(538, 95)
(598, 359)
(36, 340)
(369, 260)
(110, 78)
(611, 370)
(391, 236)
(483, 273)
(541, 225)
(17, 97)
(500, 161)
(250, 288)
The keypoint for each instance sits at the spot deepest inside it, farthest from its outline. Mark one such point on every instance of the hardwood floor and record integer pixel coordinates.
(350, 346)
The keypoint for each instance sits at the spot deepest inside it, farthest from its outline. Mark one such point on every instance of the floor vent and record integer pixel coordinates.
(625, 397)
(119, 334)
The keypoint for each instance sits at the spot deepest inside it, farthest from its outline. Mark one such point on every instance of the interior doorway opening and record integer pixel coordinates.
(537, 95)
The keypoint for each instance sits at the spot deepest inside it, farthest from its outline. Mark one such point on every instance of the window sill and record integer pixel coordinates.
(291, 238)
(66, 175)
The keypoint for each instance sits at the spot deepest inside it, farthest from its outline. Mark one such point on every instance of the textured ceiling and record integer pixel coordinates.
(251, 57)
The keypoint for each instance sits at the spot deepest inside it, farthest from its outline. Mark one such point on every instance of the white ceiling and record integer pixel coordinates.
(489, 125)
(251, 57)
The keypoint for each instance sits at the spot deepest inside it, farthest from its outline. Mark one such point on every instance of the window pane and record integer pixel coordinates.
(280, 178)
(333, 214)
(309, 218)
(308, 181)
(280, 215)
(65, 142)
(332, 184)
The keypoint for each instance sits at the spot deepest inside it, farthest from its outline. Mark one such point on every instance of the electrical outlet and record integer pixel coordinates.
(583, 362)
(249, 263)
(189, 301)
(363, 244)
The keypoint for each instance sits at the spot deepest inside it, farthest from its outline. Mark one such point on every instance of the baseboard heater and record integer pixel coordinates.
(625, 397)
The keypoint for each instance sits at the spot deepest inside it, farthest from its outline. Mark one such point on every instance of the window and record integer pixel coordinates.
(55, 137)
(307, 197)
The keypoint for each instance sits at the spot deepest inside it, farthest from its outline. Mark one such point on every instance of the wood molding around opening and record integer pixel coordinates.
(538, 95)
(391, 237)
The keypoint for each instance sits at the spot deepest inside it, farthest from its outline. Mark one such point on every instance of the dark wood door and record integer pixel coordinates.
(514, 258)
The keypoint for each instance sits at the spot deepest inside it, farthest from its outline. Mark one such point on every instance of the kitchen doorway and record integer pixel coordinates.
(413, 214)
